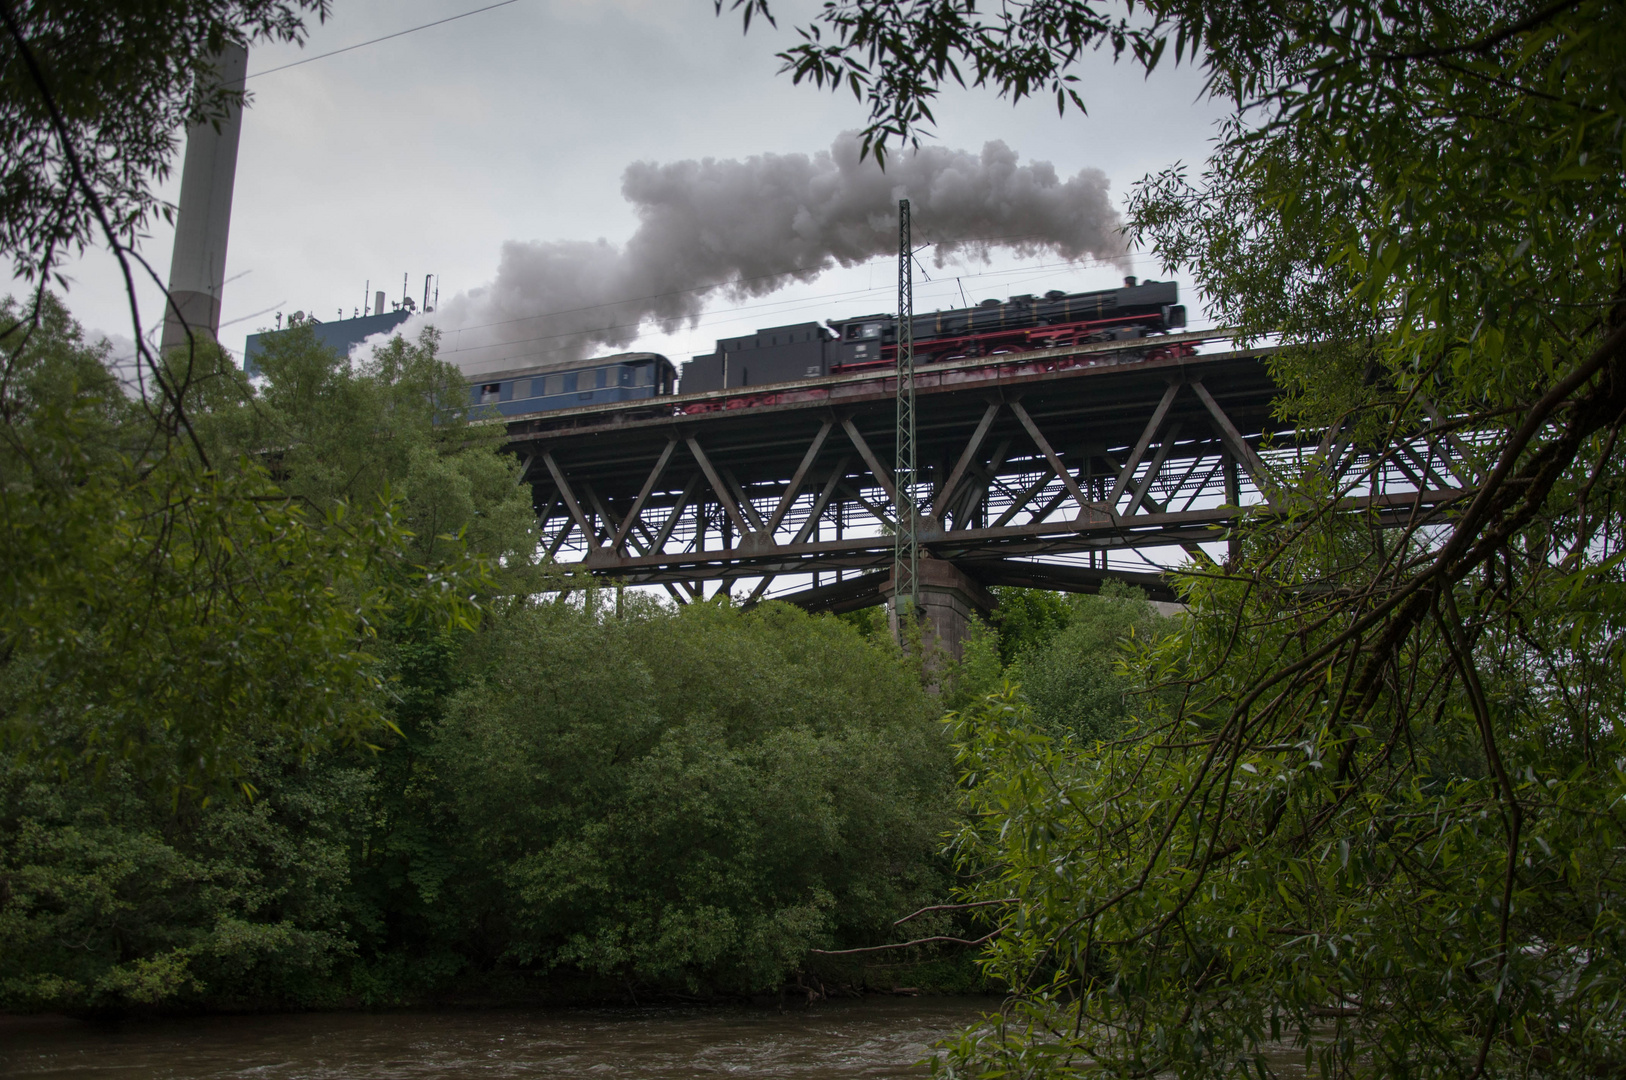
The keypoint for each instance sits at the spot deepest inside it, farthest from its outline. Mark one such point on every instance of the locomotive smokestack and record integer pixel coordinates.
(197, 266)
(746, 228)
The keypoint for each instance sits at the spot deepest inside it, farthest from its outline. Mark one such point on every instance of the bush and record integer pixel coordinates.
(1074, 682)
(694, 797)
(110, 900)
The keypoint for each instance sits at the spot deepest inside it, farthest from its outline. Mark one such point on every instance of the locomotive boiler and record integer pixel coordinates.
(1019, 324)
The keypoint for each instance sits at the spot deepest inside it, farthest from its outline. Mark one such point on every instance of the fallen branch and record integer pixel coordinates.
(954, 907)
(906, 944)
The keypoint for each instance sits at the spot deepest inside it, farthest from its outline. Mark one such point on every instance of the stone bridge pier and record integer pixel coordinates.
(949, 600)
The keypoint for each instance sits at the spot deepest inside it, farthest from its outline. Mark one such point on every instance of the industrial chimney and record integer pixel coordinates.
(197, 268)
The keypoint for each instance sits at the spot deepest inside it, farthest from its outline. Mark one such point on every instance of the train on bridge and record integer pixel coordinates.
(749, 369)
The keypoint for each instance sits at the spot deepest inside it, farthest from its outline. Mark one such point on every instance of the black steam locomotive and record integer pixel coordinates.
(1020, 324)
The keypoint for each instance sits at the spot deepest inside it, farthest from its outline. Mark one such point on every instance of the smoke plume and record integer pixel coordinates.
(745, 228)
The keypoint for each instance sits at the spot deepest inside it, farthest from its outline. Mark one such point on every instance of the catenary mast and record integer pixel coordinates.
(906, 545)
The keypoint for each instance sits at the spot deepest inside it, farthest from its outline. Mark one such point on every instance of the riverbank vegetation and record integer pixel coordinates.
(520, 793)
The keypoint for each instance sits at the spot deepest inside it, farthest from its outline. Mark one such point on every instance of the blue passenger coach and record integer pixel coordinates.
(626, 377)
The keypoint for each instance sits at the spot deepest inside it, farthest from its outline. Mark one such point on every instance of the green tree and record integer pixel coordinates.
(1074, 680)
(396, 426)
(685, 798)
(182, 607)
(170, 614)
(144, 667)
(1378, 815)
(1028, 619)
(114, 898)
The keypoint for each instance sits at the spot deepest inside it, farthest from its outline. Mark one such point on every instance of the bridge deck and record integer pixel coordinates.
(1033, 468)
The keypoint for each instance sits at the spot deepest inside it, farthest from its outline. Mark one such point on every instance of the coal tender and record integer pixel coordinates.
(1021, 324)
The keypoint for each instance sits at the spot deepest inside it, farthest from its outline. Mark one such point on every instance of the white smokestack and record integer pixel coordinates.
(746, 228)
(197, 265)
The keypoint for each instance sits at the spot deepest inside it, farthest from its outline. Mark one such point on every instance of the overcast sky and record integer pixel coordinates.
(421, 155)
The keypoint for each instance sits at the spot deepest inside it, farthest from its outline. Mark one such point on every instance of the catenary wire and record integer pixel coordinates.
(376, 40)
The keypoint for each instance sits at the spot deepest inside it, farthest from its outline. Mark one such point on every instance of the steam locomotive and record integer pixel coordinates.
(869, 342)
(1020, 324)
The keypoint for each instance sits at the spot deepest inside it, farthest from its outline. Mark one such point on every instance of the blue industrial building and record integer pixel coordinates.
(341, 335)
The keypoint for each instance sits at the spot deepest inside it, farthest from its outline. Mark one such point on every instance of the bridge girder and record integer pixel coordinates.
(1032, 469)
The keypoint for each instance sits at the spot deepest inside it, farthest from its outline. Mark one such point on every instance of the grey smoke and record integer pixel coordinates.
(742, 229)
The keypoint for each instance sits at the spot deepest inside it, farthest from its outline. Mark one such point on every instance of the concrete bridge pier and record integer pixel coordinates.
(949, 599)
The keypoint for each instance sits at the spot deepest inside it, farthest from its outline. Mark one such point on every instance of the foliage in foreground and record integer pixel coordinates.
(1073, 675)
(688, 798)
(114, 899)
(92, 93)
(173, 611)
(1376, 808)
(1289, 906)
(175, 622)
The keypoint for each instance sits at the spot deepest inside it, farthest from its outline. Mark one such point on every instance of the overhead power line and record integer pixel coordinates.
(376, 40)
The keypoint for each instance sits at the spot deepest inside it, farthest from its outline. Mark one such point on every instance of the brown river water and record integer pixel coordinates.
(875, 1037)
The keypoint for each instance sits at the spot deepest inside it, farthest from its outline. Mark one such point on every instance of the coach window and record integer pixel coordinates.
(490, 393)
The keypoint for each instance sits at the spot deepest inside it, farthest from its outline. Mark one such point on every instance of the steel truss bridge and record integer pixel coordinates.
(1057, 469)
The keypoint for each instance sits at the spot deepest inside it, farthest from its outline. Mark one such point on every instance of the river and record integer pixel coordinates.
(872, 1038)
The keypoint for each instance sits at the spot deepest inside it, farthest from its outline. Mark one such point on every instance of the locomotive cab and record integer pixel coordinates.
(861, 340)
